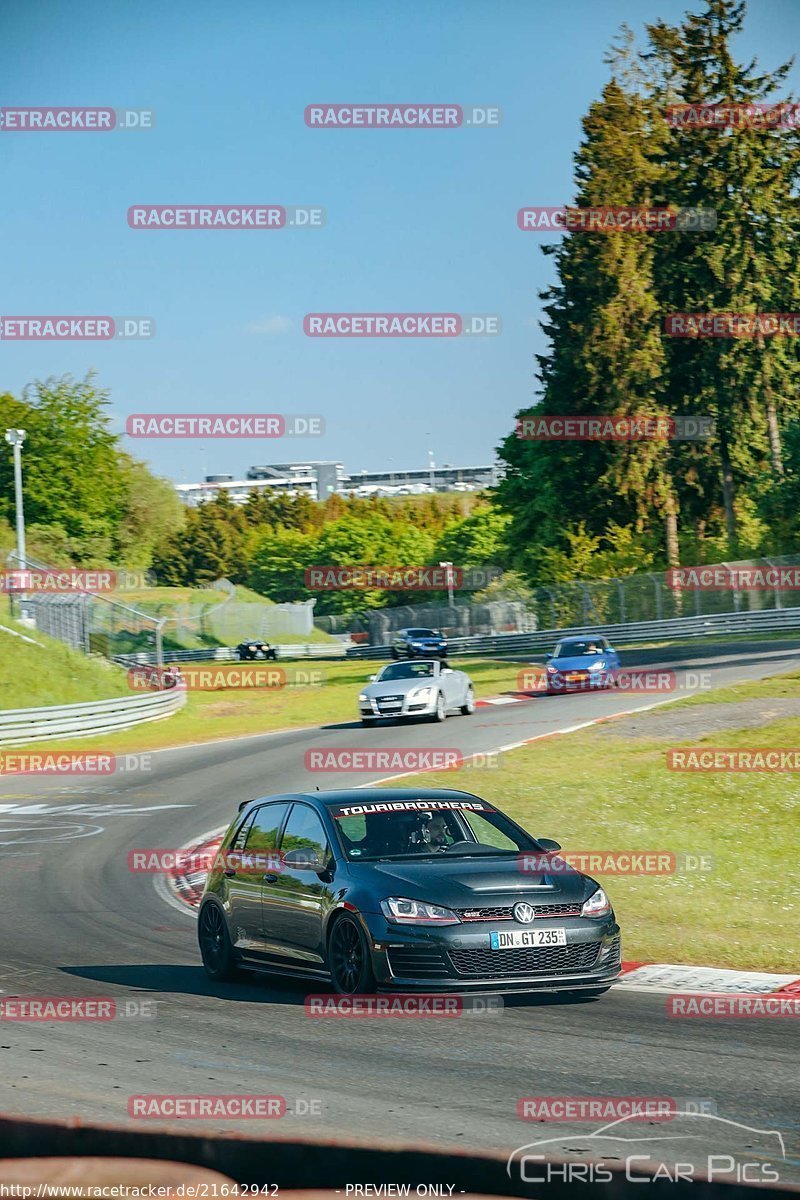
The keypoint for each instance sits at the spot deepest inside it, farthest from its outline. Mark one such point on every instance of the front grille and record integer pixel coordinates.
(615, 953)
(393, 701)
(417, 962)
(538, 960)
(505, 913)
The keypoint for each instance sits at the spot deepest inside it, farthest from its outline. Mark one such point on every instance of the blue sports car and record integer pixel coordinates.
(581, 664)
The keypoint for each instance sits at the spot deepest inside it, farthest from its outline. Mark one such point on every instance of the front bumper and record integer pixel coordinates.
(459, 958)
(417, 708)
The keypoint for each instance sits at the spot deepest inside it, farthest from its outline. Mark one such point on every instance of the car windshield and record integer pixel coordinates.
(576, 649)
(395, 830)
(407, 670)
(421, 633)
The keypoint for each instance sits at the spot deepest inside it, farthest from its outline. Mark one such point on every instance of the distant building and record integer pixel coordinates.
(319, 480)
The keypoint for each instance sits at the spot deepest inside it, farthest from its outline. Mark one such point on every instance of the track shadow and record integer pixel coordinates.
(252, 987)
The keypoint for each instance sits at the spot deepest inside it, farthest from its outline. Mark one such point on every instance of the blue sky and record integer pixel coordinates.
(419, 221)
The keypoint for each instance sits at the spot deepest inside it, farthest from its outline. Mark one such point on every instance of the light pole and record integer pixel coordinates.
(15, 438)
(431, 471)
(448, 566)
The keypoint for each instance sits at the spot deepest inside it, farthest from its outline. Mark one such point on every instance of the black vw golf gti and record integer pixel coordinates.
(401, 889)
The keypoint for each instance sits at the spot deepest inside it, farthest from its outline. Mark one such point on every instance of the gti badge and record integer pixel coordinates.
(524, 913)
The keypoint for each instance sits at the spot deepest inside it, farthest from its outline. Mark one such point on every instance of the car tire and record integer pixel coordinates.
(468, 707)
(441, 712)
(348, 959)
(216, 950)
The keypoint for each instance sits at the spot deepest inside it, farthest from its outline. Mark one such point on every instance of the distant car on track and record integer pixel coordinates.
(254, 648)
(423, 688)
(581, 664)
(403, 889)
(418, 643)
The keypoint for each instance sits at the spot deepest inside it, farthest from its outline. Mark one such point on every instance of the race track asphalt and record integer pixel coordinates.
(76, 921)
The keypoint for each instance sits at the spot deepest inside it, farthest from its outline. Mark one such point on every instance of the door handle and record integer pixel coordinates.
(271, 878)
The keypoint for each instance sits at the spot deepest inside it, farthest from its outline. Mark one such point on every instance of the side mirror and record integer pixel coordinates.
(447, 670)
(547, 844)
(610, 650)
(547, 657)
(371, 678)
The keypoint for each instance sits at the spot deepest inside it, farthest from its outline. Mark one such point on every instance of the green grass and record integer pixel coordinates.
(32, 676)
(597, 790)
(234, 712)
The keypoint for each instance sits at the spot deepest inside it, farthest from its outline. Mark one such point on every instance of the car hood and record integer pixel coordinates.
(577, 662)
(396, 687)
(473, 882)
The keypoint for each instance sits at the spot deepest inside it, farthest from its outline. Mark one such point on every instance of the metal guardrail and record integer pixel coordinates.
(147, 658)
(770, 620)
(21, 725)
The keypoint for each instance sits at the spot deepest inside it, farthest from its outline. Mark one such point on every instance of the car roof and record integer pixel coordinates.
(582, 637)
(343, 795)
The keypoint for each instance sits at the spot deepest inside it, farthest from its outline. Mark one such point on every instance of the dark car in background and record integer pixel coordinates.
(254, 648)
(418, 643)
(581, 664)
(403, 889)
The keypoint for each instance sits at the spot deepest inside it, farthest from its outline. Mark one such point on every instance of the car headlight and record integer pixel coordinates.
(601, 666)
(414, 912)
(597, 905)
(552, 670)
(420, 693)
(363, 698)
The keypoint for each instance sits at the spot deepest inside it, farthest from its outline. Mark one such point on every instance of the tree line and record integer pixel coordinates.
(669, 501)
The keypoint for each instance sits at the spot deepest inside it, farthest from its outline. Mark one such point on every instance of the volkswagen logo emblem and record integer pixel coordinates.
(524, 913)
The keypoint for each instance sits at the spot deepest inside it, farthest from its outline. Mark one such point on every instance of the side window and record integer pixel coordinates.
(486, 833)
(263, 833)
(239, 841)
(305, 831)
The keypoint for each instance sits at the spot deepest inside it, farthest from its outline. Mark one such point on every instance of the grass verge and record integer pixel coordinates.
(600, 790)
(234, 712)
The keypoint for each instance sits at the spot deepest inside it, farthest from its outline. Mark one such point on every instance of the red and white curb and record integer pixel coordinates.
(183, 890)
(672, 978)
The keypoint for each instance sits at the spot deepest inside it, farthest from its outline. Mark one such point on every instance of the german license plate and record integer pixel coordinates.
(513, 939)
